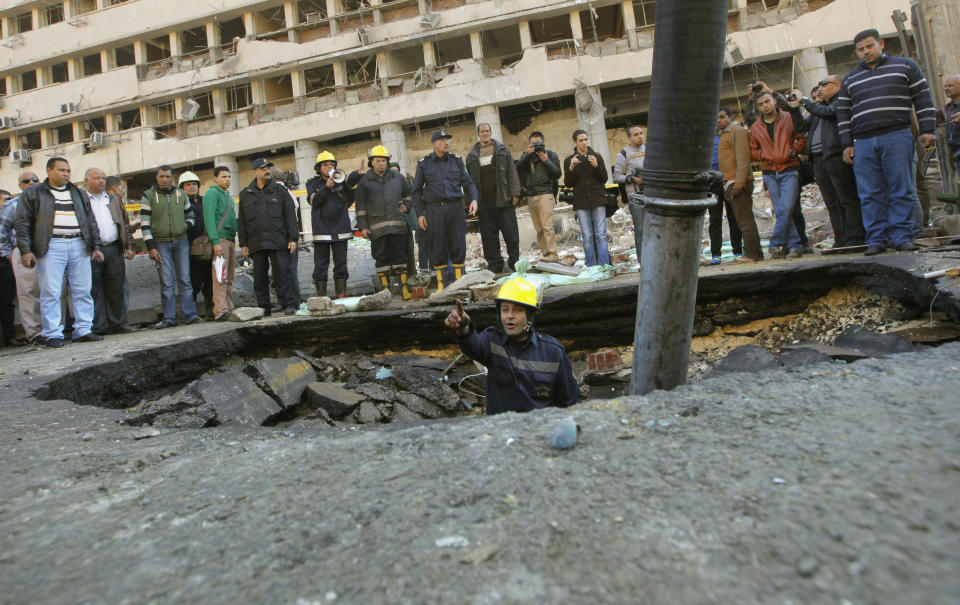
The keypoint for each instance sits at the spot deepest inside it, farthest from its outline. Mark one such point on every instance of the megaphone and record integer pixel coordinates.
(338, 176)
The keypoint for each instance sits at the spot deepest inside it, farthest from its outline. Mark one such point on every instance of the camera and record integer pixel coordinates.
(638, 173)
(290, 178)
(584, 159)
(565, 196)
(539, 148)
(757, 88)
(792, 97)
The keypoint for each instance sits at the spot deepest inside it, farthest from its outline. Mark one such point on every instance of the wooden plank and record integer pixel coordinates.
(843, 250)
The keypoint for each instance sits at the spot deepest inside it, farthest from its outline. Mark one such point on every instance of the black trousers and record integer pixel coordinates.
(201, 279)
(321, 260)
(716, 224)
(279, 260)
(799, 221)
(293, 277)
(448, 233)
(8, 294)
(423, 246)
(838, 186)
(107, 279)
(389, 252)
(493, 222)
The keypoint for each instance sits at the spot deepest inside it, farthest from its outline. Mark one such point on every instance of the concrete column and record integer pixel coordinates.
(68, 10)
(526, 38)
(11, 84)
(596, 131)
(476, 46)
(101, 4)
(250, 24)
(218, 102)
(576, 27)
(491, 115)
(395, 140)
(44, 77)
(35, 18)
(111, 122)
(299, 84)
(422, 6)
(629, 22)
(257, 93)
(339, 74)
(429, 55)
(290, 19)
(231, 162)
(176, 45)
(377, 14)
(106, 60)
(383, 72)
(78, 133)
(305, 154)
(213, 40)
(333, 9)
(811, 68)
(140, 52)
(73, 71)
(47, 138)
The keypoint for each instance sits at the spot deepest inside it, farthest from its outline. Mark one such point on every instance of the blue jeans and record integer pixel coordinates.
(176, 258)
(884, 169)
(593, 227)
(65, 257)
(784, 188)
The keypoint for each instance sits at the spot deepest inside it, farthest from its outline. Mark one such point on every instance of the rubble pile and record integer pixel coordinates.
(345, 389)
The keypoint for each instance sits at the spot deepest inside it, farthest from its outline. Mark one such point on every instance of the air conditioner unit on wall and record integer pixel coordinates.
(20, 156)
(190, 109)
(311, 17)
(68, 108)
(430, 20)
(97, 140)
(8, 122)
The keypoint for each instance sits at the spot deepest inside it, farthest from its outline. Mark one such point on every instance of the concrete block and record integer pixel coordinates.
(319, 303)
(419, 406)
(376, 392)
(236, 398)
(375, 302)
(425, 385)
(284, 379)
(871, 343)
(402, 413)
(335, 399)
(367, 413)
(247, 314)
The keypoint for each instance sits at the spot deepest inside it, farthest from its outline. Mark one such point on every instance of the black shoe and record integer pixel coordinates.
(165, 324)
(122, 330)
(39, 340)
(778, 252)
(290, 310)
(907, 247)
(267, 311)
(191, 321)
(54, 343)
(89, 337)
(873, 250)
(224, 317)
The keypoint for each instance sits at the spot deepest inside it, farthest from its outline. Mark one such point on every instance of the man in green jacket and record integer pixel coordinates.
(164, 216)
(220, 221)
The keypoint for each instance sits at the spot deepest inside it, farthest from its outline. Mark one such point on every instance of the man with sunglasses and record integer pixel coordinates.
(838, 186)
(28, 286)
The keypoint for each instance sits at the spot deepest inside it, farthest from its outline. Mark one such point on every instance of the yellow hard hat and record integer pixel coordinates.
(186, 177)
(324, 156)
(379, 152)
(520, 291)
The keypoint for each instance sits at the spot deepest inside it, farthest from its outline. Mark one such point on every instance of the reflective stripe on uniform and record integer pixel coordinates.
(327, 238)
(525, 364)
(383, 224)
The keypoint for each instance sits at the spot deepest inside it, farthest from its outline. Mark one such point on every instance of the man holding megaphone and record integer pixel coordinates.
(330, 198)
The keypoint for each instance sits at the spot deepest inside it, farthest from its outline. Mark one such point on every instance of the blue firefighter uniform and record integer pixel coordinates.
(438, 190)
(330, 220)
(522, 376)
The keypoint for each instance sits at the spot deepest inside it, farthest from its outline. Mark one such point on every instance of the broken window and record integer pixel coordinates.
(311, 11)
(501, 46)
(319, 81)
(644, 12)
(3, 86)
(115, 2)
(230, 31)
(239, 97)
(361, 70)
(51, 14)
(23, 23)
(63, 134)
(84, 6)
(31, 141)
(602, 23)
(269, 20)
(5, 147)
(205, 111)
(91, 64)
(277, 89)
(451, 50)
(28, 80)
(59, 72)
(194, 41)
(162, 113)
(124, 55)
(551, 29)
(129, 119)
(92, 125)
(158, 49)
(405, 61)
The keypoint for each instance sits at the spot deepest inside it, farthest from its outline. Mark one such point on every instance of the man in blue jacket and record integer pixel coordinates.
(526, 370)
(329, 202)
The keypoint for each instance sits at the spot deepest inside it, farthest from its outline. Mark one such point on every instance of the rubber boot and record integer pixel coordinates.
(321, 287)
(384, 279)
(457, 271)
(404, 290)
(340, 286)
(440, 269)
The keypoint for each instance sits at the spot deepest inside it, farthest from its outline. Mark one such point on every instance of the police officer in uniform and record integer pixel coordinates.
(438, 190)
(526, 369)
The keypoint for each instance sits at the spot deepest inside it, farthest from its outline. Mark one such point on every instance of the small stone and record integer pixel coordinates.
(452, 542)
(807, 566)
(779, 481)
(246, 314)
(565, 434)
(480, 555)
(147, 433)
(367, 413)
(86, 437)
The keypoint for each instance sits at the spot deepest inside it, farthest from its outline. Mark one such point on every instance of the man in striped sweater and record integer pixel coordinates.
(873, 117)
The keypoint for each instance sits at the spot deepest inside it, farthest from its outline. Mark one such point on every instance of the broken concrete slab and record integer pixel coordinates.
(367, 413)
(375, 392)
(871, 343)
(195, 418)
(246, 314)
(423, 384)
(402, 413)
(236, 398)
(375, 302)
(419, 406)
(333, 398)
(746, 358)
(803, 356)
(284, 379)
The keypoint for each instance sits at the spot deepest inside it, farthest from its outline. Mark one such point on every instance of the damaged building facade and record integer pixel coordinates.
(128, 85)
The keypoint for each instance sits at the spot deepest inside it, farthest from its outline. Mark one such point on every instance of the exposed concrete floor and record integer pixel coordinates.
(824, 484)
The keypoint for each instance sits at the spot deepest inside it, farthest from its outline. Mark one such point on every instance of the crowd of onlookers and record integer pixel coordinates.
(856, 136)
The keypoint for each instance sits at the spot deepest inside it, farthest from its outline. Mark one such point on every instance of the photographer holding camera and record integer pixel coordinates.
(626, 172)
(539, 170)
(586, 173)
